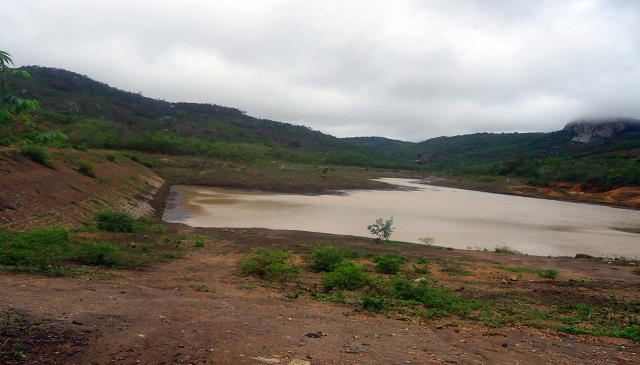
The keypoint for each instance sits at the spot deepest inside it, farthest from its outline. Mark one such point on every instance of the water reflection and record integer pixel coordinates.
(452, 217)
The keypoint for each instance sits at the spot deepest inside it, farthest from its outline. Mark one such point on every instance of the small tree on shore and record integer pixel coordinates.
(382, 229)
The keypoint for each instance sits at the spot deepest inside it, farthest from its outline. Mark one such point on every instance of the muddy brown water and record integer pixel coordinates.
(449, 217)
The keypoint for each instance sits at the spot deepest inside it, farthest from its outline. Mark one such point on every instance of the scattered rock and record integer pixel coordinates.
(315, 334)
(504, 281)
(504, 344)
(299, 362)
(266, 360)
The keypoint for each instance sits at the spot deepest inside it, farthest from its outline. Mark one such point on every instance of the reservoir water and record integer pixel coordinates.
(451, 217)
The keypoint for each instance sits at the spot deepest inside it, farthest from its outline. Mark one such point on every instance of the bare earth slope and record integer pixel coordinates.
(32, 195)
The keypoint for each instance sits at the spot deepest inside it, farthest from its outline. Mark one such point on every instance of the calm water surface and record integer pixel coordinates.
(452, 217)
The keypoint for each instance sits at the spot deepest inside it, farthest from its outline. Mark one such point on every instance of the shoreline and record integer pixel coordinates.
(537, 245)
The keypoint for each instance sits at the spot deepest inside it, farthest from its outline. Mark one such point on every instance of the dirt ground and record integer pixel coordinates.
(197, 311)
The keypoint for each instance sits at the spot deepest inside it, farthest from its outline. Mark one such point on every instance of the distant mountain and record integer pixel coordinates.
(600, 131)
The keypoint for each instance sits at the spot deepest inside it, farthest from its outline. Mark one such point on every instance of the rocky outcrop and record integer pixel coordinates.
(599, 131)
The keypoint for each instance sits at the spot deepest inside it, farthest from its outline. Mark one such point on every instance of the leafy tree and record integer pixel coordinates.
(15, 111)
(382, 228)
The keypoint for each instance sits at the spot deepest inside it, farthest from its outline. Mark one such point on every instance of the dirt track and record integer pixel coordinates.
(196, 311)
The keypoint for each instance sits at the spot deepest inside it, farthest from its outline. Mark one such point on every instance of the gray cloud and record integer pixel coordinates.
(410, 70)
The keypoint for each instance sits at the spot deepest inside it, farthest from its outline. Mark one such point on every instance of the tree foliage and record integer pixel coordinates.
(14, 110)
(381, 228)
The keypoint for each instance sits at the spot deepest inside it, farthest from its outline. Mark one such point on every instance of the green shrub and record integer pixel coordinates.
(36, 154)
(325, 258)
(111, 157)
(424, 293)
(506, 250)
(629, 332)
(374, 303)
(86, 168)
(346, 275)
(104, 254)
(390, 263)
(41, 249)
(548, 274)
(270, 265)
(116, 221)
(281, 272)
(149, 224)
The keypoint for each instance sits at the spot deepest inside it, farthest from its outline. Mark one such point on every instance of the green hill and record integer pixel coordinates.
(96, 115)
(598, 152)
(604, 153)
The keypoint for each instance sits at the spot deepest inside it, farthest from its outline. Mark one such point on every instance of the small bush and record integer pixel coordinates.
(270, 265)
(506, 250)
(111, 157)
(423, 293)
(629, 332)
(36, 154)
(104, 254)
(548, 274)
(374, 303)
(86, 168)
(281, 272)
(390, 263)
(116, 221)
(42, 249)
(346, 275)
(327, 257)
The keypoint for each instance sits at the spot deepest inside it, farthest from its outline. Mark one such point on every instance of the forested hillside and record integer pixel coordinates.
(96, 115)
(609, 159)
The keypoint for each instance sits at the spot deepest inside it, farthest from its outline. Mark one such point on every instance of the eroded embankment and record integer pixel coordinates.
(34, 195)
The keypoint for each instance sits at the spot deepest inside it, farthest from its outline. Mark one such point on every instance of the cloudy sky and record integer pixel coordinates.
(402, 69)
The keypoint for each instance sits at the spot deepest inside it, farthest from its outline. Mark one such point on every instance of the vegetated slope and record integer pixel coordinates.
(94, 114)
(603, 153)
(377, 143)
(474, 150)
(35, 195)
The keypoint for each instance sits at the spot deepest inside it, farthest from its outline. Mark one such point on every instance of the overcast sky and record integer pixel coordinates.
(408, 70)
